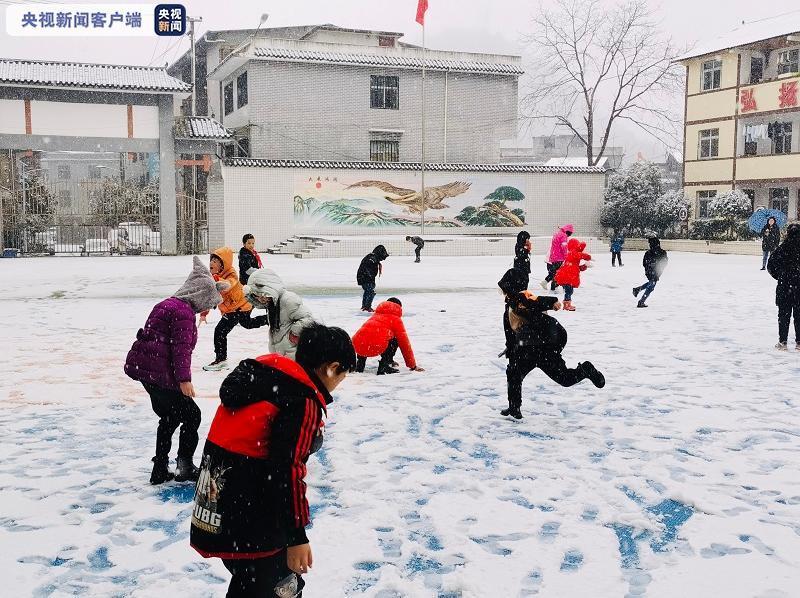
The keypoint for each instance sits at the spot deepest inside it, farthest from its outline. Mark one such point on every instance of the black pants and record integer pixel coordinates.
(616, 255)
(227, 323)
(174, 409)
(257, 578)
(551, 274)
(784, 315)
(387, 357)
(418, 250)
(547, 360)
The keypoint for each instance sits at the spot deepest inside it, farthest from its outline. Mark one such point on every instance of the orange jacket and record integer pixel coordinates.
(373, 337)
(232, 299)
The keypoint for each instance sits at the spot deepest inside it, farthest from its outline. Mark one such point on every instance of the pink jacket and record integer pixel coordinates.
(558, 245)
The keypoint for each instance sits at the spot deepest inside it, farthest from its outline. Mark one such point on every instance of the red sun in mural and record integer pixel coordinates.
(318, 185)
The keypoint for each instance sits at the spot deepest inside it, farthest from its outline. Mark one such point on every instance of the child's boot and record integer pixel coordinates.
(361, 363)
(512, 411)
(568, 306)
(591, 372)
(161, 472)
(186, 470)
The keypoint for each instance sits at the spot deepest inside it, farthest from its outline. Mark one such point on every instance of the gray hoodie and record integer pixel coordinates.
(200, 290)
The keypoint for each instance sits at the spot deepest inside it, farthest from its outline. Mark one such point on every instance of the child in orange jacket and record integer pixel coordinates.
(234, 307)
(569, 274)
(382, 335)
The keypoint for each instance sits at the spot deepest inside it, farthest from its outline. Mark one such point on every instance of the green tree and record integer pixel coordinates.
(504, 194)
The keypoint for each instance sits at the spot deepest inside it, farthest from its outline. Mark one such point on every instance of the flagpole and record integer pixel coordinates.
(422, 225)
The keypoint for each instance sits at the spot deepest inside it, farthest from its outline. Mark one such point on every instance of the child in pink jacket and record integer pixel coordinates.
(558, 253)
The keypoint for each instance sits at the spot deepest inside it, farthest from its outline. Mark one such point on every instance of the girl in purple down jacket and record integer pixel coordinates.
(161, 359)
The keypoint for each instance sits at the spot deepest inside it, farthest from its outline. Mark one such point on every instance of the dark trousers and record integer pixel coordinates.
(568, 290)
(227, 323)
(258, 578)
(551, 274)
(418, 250)
(369, 294)
(174, 409)
(648, 288)
(549, 361)
(764, 258)
(784, 315)
(616, 255)
(387, 357)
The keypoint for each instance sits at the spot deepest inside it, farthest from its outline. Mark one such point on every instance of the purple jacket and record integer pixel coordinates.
(558, 245)
(162, 352)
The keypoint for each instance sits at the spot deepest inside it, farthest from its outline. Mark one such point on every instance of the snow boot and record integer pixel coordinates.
(568, 306)
(641, 304)
(636, 291)
(216, 365)
(186, 470)
(361, 363)
(386, 369)
(512, 411)
(591, 372)
(161, 472)
(781, 347)
(544, 284)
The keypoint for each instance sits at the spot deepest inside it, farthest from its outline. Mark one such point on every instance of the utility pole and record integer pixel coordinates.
(193, 198)
(192, 21)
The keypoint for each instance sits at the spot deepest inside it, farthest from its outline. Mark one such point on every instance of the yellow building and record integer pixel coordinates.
(742, 116)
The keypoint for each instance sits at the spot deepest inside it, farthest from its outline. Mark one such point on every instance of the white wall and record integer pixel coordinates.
(12, 117)
(91, 120)
(259, 200)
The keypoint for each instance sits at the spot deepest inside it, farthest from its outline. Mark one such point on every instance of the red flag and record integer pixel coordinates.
(421, 8)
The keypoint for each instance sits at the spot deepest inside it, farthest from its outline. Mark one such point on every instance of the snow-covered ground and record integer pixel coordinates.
(680, 478)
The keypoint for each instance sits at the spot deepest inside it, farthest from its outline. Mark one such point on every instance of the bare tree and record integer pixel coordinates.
(594, 66)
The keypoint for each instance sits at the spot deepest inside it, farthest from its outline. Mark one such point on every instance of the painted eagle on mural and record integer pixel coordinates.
(411, 199)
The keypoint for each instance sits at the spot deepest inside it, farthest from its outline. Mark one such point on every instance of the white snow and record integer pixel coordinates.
(422, 488)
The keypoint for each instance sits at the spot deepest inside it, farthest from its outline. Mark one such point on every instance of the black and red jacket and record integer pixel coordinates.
(250, 500)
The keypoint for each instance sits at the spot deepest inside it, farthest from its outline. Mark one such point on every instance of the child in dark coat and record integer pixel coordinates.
(249, 259)
(419, 245)
(617, 243)
(655, 261)
(522, 255)
(250, 506)
(161, 359)
(784, 266)
(369, 268)
(535, 340)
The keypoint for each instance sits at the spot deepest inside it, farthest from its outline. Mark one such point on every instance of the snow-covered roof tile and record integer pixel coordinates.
(200, 127)
(398, 61)
(537, 168)
(41, 73)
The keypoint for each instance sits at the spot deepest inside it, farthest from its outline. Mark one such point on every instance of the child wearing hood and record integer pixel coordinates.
(286, 313)
(161, 359)
(784, 266)
(249, 259)
(234, 308)
(382, 335)
(535, 340)
(522, 254)
(369, 268)
(569, 274)
(655, 261)
(558, 252)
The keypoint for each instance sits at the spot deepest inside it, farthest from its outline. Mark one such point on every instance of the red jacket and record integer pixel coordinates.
(570, 272)
(373, 337)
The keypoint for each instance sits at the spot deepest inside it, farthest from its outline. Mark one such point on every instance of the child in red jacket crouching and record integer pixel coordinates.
(382, 335)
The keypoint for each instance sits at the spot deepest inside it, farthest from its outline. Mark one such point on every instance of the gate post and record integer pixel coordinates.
(166, 181)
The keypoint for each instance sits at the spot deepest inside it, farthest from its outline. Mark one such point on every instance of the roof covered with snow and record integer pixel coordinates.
(385, 60)
(539, 168)
(749, 33)
(200, 127)
(573, 161)
(41, 73)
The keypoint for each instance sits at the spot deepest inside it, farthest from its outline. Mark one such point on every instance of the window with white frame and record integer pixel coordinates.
(384, 92)
(779, 199)
(384, 150)
(228, 98)
(241, 90)
(712, 74)
(782, 138)
(709, 143)
(788, 61)
(704, 199)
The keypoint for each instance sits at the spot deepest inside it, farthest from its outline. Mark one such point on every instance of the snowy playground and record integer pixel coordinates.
(680, 478)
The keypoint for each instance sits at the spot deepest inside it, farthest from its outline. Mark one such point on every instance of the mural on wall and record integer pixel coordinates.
(324, 200)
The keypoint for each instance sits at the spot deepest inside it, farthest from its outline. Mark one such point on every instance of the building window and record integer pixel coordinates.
(65, 199)
(712, 73)
(386, 41)
(751, 195)
(243, 148)
(384, 151)
(384, 92)
(95, 172)
(549, 143)
(779, 199)
(63, 172)
(228, 97)
(241, 90)
(788, 61)
(782, 138)
(703, 201)
(709, 143)
(756, 69)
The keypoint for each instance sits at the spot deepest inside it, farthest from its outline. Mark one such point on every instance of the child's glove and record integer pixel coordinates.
(583, 267)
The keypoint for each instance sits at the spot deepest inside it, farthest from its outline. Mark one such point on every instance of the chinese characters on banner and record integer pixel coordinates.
(170, 19)
(787, 97)
(748, 101)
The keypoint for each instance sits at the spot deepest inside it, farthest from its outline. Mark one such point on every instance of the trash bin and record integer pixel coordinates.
(9, 252)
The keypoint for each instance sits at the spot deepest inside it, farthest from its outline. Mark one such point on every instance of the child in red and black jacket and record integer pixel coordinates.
(250, 506)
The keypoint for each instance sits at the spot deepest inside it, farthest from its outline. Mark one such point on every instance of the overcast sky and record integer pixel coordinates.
(470, 25)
